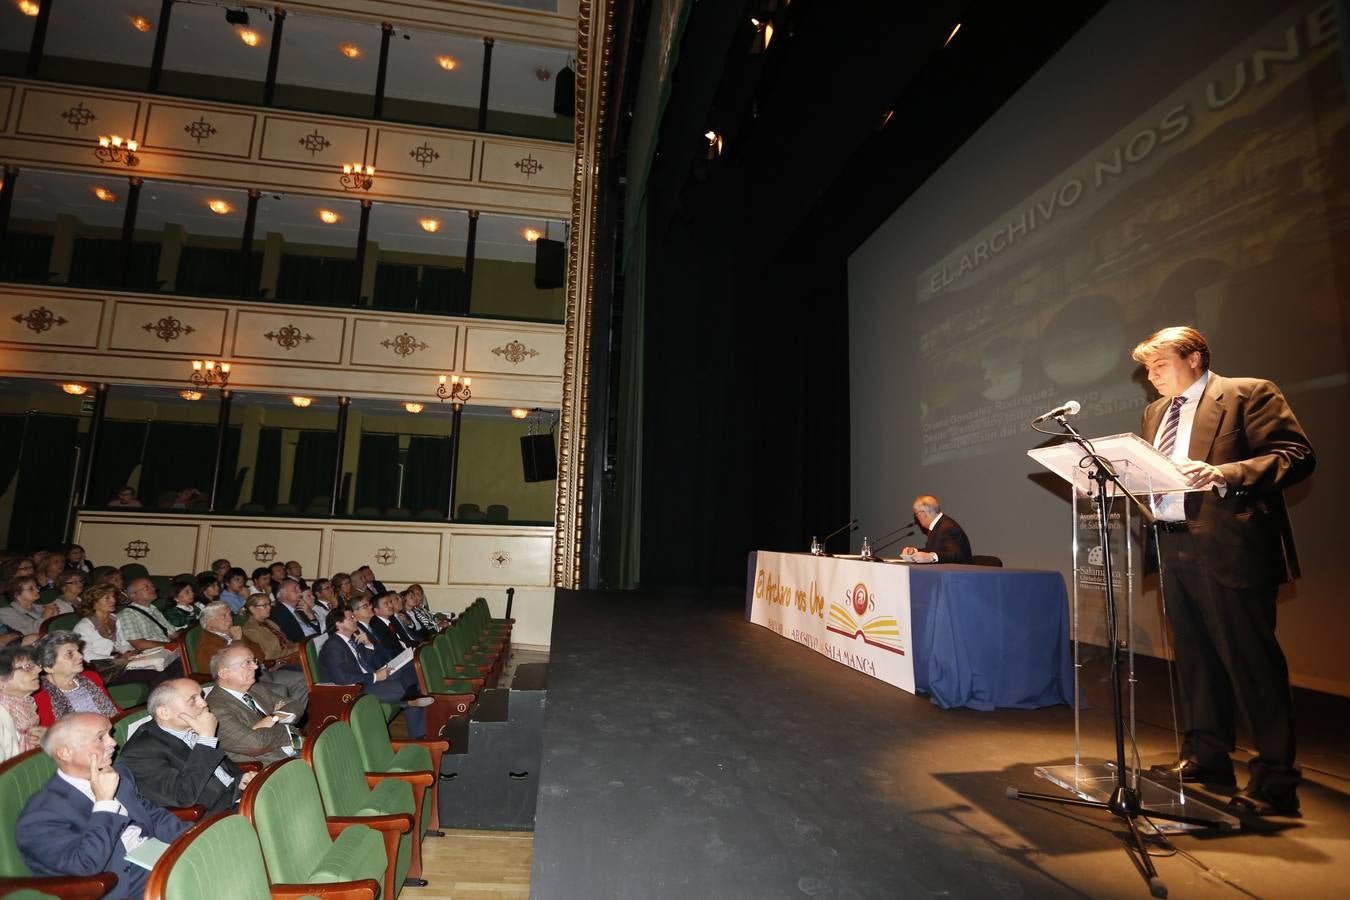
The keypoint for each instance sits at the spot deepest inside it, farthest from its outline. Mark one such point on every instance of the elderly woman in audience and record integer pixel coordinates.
(49, 571)
(19, 678)
(16, 568)
(71, 586)
(415, 605)
(264, 633)
(67, 686)
(186, 605)
(75, 559)
(104, 646)
(23, 614)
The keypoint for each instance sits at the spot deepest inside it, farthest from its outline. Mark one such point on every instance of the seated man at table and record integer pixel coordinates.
(947, 541)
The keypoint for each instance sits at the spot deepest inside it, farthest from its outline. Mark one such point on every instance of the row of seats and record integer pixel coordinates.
(350, 814)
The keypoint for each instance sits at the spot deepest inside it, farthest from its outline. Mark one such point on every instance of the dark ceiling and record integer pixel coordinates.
(802, 123)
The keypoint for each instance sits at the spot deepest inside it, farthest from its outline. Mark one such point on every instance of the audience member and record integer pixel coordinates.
(220, 567)
(293, 570)
(262, 631)
(233, 590)
(66, 686)
(348, 658)
(20, 677)
(71, 587)
(218, 632)
(76, 560)
(295, 623)
(126, 497)
(186, 497)
(176, 758)
(104, 646)
(373, 585)
(141, 623)
(363, 610)
(23, 614)
(386, 625)
(187, 606)
(249, 728)
(208, 588)
(48, 572)
(415, 605)
(325, 600)
(90, 814)
(342, 588)
(262, 582)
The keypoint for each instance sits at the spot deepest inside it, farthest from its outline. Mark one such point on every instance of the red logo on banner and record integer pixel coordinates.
(859, 596)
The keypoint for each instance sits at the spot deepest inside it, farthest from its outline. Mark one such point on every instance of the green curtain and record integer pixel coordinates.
(42, 496)
(377, 471)
(312, 475)
(426, 483)
(267, 476)
(119, 452)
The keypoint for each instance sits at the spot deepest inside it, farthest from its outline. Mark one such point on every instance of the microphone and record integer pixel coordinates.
(818, 547)
(895, 536)
(1071, 408)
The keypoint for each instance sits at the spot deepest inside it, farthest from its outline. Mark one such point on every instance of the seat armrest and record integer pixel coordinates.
(188, 813)
(398, 823)
(366, 889)
(416, 779)
(71, 887)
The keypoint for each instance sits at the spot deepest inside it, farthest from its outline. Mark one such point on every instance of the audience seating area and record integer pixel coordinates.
(345, 818)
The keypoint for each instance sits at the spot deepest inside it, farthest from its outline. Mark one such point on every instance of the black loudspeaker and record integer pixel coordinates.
(565, 93)
(538, 457)
(550, 262)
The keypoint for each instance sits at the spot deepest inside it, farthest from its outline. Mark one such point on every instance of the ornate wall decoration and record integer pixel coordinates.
(40, 319)
(289, 337)
(200, 130)
(529, 166)
(424, 155)
(404, 345)
(514, 352)
(386, 556)
(264, 553)
(315, 143)
(168, 329)
(137, 549)
(500, 559)
(77, 116)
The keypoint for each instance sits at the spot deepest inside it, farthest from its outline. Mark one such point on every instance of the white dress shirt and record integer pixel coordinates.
(1172, 507)
(131, 835)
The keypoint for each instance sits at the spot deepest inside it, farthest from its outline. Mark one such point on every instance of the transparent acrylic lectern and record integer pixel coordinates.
(1145, 473)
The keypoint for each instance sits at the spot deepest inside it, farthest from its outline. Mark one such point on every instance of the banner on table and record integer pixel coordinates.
(854, 612)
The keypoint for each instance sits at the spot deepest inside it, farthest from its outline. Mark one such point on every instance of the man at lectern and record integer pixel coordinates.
(1223, 554)
(947, 541)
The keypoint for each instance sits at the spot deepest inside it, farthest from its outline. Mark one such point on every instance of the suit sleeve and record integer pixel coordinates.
(236, 734)
(160, 779)
(289, 625)
(51, 839)
(1279, 452)
(164, 824)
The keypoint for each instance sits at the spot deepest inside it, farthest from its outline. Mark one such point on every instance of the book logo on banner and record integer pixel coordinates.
(879, 631)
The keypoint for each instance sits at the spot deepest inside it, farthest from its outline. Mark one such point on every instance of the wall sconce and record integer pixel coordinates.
(357, 177)
(75, 390)
(457, 391)
(207, 373)
(113, 148)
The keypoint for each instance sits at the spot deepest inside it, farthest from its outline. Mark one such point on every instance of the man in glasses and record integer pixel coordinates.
(253, 724)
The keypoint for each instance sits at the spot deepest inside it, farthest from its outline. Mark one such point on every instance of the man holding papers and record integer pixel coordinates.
(1223, 553)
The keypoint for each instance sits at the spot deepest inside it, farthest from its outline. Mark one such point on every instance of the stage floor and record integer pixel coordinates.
(690, 754)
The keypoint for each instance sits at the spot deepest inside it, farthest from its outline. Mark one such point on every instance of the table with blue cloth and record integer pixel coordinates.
(988, 637)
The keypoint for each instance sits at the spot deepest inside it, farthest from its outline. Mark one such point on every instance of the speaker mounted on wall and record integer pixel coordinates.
(538, 457)
(550, 263)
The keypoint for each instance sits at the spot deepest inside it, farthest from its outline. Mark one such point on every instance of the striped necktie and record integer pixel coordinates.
(1169, 434)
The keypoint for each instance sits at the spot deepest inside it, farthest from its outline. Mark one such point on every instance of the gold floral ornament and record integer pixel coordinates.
(40, 319)
(404, 345)
(514, 352)
(137, 549)
(168, 329)
(289, 337)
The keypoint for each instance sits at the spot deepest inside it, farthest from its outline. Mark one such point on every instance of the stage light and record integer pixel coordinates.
(249, 37)
(75, 390)
(141, 23)
(430, 225)
(351, 51)
(328, 217)
(532, 234)
(219, 207)
(447, 63)
(952, 35)
(29, 7)
(105, 195)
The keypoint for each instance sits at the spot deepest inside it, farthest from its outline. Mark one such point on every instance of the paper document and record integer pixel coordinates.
(400, 661)
(157, 659)
(148, 853)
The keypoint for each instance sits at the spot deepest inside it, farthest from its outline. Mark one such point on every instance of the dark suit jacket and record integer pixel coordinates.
(59, 833)
(288, 623)
(948, 540)
(1245, 428)
(235, 720)
(391, 635)
(382, 639)
(338, 665)
(172, 774)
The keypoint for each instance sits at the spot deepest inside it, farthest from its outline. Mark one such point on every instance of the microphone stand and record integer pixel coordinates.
(818, 547)
(1124, 803)
(895, 537)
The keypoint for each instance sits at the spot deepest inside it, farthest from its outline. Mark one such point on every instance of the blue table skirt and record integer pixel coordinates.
(987, 638)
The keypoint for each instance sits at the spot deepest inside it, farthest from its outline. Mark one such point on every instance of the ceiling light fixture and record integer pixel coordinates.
(714, 143)
(219, 207)
(29, 7)
(75, 390)
(952, 35)
(413, 408)
(302, 402)
(519, 413)
(447, 63)
(105, 195)
(351, 51)
(141, 24)
(532, 234)
(190, 395)
(113, 148)
(328, 217)
(763, 35)
(542, 73)
(249, 37)
(430, 225)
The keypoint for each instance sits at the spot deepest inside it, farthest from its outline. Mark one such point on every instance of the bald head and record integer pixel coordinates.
(76, 739)
(170, 699)
(926, 509)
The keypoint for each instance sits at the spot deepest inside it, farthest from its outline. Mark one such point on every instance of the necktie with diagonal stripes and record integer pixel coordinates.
(1169, 434)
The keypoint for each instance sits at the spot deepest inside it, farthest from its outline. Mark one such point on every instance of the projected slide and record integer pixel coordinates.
(1223, 206)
